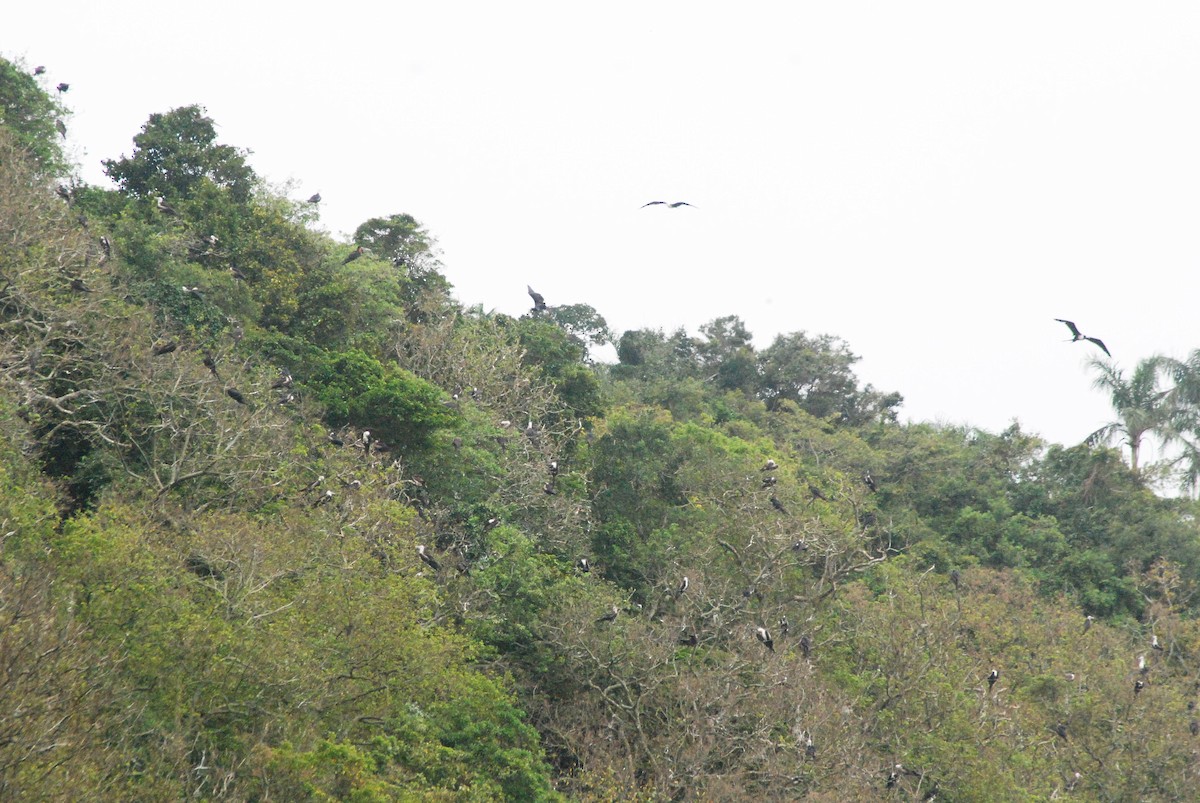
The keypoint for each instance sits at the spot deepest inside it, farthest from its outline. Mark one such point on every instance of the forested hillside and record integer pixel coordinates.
(283, 519)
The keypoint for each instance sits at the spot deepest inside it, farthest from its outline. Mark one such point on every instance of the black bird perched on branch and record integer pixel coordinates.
(783, 626)
(427, 558)
(236, 395)
(816, 493)
(63, 87)
(553, 468)
(1077, 335)
(1154, 645)
(211, 364)
(683, 586)
(164, 348)
(611, 616)
(201, 567)
(775, 503)
(165, 207)
(689, 639)
(584, 565)
(335, 440)
(769, 482)
(805, 646)
(39, 70)
(539, 303)
(764, 635)
(106, 246)
(955, 578)
(355, 254)
(770, 465)
(870, 481)
(284, 381)
(1087, 622)
(194, 292)
(992, 677)
(674, 205)
(1061, 730)
(61, 128)
(78, 286)
(315, 198)
(1138, 686)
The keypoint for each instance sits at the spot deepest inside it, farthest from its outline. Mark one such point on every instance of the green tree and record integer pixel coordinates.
(174, 152)
(1141, 405)
(31, 114)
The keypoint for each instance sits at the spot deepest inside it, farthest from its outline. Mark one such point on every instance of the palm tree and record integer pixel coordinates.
(1141, 407)
(1185, 416)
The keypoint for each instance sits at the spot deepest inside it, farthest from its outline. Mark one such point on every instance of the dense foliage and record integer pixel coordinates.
(278, 524)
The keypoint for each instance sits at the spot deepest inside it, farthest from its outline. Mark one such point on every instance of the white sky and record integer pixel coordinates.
(932, 182)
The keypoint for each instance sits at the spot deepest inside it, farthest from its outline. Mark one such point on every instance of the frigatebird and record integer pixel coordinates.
(674, 205)
(768, 482)
(78, 286)
(870, 481)
(805, 646)
(355, 254)
(611, 616)
(775, 503)
(783, 626)
(427, 558)
(61, 128)
(764, 635)
(236, 395)
(39, 70)
(335, 440)
(210, 363)
(539, 302)
(770, 465)
(1087, 622)
(165, 207)
(107, 246)
(1077, 335)
(955, 578)
(584, 565)
(164, 348)
(992, 677)
(1154, 645)
(315, 198)
(63, 87)
(683, 586)
(1138, 686)
(284, 381)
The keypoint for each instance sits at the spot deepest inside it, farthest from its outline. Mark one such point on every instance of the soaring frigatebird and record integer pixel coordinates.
(539, 303)
(1077, 335)
(674, 205)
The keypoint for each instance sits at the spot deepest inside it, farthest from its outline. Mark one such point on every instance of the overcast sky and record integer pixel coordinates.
(935, 183)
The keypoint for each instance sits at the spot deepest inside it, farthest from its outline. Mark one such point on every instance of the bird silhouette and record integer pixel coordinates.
(61, 128)
(236, 395)
(775, 503)
(992, 677)
(210, 363)
(315, 198)
(164, 348)
(1077, 335)
(63, 87)
(770, 465)
(78, 286)
(683, 586)
(870, 481)
(539, 303)
(611, 616)
(165, 207)
(584, 565)
(355, 254)
(674, 205)
(39, 70)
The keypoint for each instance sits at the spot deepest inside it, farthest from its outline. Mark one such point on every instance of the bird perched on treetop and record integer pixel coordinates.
(427, 558)
(539, 303)
(1077, 335)
(992, 677)
(355, 254)
(315, 198)
(165, 207)
(870, 481)
(63, 87)
(39, 70)
(674, 205)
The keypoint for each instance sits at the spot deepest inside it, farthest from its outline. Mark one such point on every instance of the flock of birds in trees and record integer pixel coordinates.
(688, 638)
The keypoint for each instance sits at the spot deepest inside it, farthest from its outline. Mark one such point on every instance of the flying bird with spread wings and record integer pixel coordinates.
(674, 205)
(1077, 335)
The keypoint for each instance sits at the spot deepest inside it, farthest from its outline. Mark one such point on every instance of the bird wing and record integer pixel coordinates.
(1071, 326)
(678, 204)
(1099, 343)
(653, 203)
